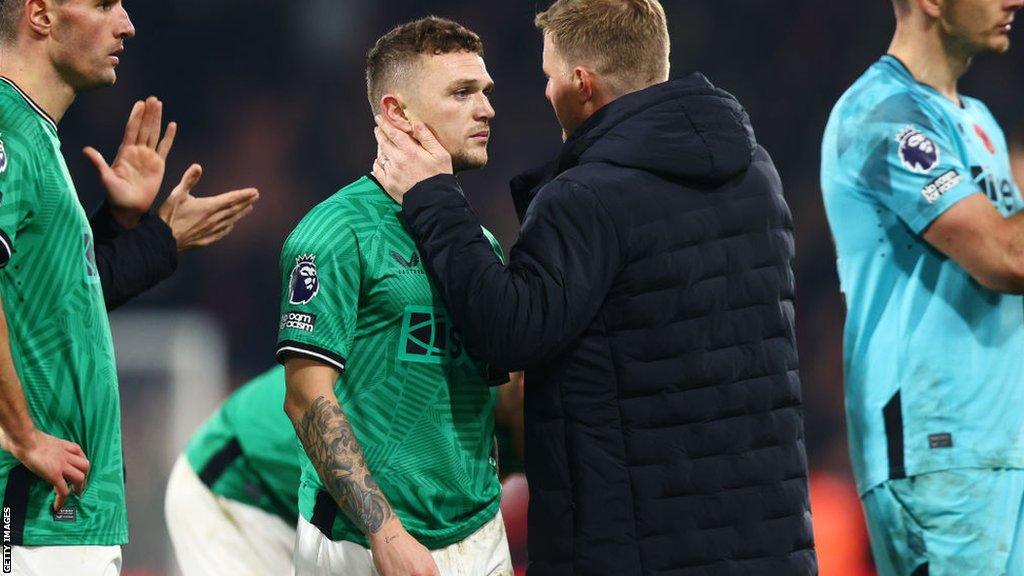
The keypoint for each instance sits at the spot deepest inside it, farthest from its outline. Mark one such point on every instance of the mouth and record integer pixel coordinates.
(481, 136)
(114, 56)
(1005, 27)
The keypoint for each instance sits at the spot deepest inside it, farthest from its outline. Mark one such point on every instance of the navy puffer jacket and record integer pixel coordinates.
(650, 300)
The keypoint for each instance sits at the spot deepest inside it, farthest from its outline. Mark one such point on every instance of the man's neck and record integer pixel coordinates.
(38, 80)
(931, 58)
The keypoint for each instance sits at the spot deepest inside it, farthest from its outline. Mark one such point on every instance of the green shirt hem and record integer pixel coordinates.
(77, 539)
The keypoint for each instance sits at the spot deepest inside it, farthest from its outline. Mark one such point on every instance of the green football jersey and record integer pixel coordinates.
(59, 335)
(247, 450)
(356, 296)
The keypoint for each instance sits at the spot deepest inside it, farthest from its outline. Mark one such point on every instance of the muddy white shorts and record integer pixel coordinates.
(216, 536)
(482, 553)
(65, 561)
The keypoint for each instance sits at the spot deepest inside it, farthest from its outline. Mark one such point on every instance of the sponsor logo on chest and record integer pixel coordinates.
(1000, 190)
(428, 336)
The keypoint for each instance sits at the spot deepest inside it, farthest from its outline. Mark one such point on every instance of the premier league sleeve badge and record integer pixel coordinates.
(917, 152)
(304, 283)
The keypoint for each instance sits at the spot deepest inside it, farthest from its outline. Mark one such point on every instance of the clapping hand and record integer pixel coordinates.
(197, 222)
(134, 178)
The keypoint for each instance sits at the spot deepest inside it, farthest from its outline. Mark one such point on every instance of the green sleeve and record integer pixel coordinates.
(320, 281)
(16, 190)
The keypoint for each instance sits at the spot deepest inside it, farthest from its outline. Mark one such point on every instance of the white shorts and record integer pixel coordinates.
(215, 536)
(65, 560)
(482, 553)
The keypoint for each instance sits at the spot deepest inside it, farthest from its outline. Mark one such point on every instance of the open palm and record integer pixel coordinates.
(134, 178)
(200, 221)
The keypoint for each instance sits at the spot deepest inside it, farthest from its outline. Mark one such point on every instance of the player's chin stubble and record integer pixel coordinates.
(467, 161)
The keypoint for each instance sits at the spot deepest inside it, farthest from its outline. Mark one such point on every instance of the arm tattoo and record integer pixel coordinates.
(327, 436)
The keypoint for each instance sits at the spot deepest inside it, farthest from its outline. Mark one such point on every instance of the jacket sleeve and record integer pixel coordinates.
(559, 272)
(131, 261)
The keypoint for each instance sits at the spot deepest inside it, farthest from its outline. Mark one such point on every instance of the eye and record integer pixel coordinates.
(461, 93)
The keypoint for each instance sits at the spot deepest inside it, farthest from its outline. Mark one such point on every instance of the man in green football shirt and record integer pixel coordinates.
(394, 415)
(59, 407)
(232, 498)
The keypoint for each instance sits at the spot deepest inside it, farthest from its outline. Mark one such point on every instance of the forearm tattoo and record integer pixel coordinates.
(327, 436)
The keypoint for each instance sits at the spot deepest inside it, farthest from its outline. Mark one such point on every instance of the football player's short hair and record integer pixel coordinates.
(393, 55)
(10, 13)
(625, 41)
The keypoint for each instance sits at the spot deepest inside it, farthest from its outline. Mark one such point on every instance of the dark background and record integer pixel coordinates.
(271, 94)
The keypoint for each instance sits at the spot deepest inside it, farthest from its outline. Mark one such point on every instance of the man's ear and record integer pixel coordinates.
(583, 80)
(932, 8)
(40, 15)
(393, 112)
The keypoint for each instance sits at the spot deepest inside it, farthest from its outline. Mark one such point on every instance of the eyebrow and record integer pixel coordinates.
(468, 83)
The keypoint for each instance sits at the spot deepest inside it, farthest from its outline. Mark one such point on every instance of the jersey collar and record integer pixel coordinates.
(39, 110)
(902, 70)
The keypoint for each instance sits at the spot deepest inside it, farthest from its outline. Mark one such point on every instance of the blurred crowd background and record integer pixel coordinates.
(271, 94)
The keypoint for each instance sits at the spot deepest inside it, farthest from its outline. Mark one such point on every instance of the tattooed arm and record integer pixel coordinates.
(332, 447)
(338, 458)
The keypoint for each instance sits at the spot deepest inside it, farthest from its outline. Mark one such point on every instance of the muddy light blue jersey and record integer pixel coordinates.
(933, 361)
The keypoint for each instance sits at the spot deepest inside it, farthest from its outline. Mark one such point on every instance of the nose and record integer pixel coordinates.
(127, 29)
(1014, 5)
(486, 111)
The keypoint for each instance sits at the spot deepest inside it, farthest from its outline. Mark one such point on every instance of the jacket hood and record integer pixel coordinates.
(683, 128)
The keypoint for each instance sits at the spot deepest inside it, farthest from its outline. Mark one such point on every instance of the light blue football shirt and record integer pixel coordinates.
(933, 361)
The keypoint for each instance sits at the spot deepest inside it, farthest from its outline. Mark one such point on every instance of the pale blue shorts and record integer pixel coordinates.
(962, 522)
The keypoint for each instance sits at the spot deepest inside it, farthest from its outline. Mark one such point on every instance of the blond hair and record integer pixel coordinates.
(625, 41)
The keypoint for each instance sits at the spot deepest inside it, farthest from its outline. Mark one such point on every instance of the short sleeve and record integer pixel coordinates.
(914, 167)
(16, 190)
(320, 282)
